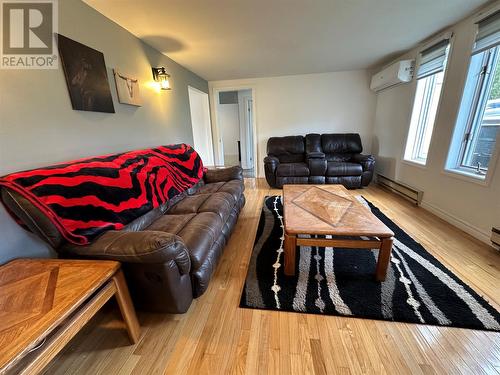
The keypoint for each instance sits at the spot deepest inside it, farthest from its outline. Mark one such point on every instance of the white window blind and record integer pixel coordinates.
(433, 59)
(488, 33)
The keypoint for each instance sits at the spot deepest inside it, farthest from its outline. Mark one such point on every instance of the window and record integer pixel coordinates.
(430, 77)
(478, 122)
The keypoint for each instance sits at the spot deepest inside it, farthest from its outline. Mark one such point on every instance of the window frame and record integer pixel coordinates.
(450, 162)
(450, 36)
(478, 106)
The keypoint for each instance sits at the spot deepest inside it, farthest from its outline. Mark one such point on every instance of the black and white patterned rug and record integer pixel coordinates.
(418, 288)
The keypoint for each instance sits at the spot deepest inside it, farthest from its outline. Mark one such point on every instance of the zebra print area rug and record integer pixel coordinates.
(418, 288)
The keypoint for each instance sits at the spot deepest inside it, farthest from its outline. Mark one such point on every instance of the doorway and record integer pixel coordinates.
(234, 114)
(200, 122)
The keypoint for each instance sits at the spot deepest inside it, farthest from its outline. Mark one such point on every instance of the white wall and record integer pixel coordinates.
(322, 103)
(38, 126)
(229, 122)
(464, 203)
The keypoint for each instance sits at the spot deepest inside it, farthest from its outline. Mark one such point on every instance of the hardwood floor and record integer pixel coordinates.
(217, 337)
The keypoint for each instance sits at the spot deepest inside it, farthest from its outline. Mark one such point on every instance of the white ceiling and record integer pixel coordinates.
(227, 39)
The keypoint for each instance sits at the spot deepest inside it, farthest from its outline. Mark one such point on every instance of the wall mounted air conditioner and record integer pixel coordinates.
(394, 74)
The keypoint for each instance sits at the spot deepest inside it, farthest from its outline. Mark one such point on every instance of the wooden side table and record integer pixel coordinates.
(46, 302)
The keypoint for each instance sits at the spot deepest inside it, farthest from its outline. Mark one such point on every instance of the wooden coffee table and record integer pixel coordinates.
(332, 211)
(45, 302)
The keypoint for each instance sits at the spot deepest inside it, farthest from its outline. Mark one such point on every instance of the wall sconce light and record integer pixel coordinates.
(161, 76)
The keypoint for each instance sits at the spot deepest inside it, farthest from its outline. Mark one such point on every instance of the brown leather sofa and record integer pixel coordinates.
(318, 159)
(170, 253)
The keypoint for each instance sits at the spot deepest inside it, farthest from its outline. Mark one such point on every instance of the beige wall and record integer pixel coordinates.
(464, 203)
(39, 127)
(309, 103)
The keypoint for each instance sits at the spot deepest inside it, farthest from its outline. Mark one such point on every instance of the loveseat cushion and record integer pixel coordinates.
(289, 149)
(343, 169)
(292, 169)
(341, 144)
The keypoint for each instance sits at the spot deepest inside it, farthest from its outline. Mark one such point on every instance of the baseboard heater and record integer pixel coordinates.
(404, 190)
(495, 236)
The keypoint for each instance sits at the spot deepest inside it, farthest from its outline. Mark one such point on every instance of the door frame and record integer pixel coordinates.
(249, 130)
(211, 140)
(214, 98)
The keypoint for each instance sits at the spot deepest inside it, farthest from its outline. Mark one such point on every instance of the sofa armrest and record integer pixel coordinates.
(223, 174)
(366, 161)
(315, 155)
(136, 247)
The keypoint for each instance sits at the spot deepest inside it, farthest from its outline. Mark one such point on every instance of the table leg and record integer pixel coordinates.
(289, 248)
(384, 258)
(126, 307)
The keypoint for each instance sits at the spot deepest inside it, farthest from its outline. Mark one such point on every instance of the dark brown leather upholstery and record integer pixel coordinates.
(170, 253)
(337, 168)
(325, 158)
(292, 169)
(287, 149)
(223, 174)
(32, 217)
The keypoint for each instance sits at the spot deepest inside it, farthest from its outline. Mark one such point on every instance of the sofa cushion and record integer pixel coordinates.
(199, 235)
(85, 198)
(343, 169)
(171, 223)
(189, 205)
(234, 187)
(210, 188)
(219, 203)
(292, 169)
(223, 174)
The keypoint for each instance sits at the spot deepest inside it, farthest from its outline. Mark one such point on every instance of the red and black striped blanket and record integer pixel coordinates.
(86, 197)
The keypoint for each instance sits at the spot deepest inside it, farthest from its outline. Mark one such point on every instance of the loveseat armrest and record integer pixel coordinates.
(366, 161)
(317, 163)
(223, 174)
(368, 164)
(136, 247)
(269, 159)
(315, 155)
(271, 164)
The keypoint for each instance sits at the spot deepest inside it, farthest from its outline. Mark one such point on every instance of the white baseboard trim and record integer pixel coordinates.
(474, 231)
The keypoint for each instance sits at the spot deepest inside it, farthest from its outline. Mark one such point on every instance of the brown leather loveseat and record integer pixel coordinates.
(170, 253)
(318, 159)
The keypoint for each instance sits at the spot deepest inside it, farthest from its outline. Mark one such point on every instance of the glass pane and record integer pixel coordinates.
(423, 117)
(487, 124)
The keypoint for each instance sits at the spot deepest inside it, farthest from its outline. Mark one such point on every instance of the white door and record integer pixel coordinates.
(200, 121)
